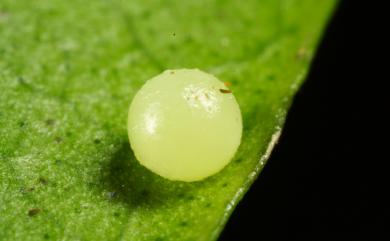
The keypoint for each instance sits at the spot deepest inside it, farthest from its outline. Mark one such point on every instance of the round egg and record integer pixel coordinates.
(184, 125)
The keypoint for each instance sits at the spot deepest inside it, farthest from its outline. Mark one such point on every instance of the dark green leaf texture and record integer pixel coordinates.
(68, 72)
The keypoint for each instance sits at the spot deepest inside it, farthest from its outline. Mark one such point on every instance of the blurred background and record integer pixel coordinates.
(326, 179)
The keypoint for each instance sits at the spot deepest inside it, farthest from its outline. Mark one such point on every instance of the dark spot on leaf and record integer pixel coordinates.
(58, 139)
(172, 72)
(21, 123)
(227, 84)
(224, 184)
(207, 205)
(21, 80)
(144, 193)
(174, 34)
(33, 212)
(160, 239)
(183, 223)
(91, 184)
(25, 190)
(117, 214)
(223, 91)
(94, 70)
(96, 141)
(68, 133)
(58, 162)
(181, 195)
(43, 181)
(146, 14)
(292, 29)
(50, 122)
(238, 160)
(270, 77)
(46, 236)
(190, 198)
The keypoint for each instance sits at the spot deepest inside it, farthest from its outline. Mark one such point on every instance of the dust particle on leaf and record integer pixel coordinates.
(33, 212)
(223, 91)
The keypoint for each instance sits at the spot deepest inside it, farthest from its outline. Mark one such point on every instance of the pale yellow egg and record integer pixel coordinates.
(184, 125)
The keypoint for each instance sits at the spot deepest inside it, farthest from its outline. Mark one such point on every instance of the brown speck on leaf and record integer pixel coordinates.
(302, 53)
(207, 96)
(223, 91)
(227, 84)
(172, 72)
(33, 212)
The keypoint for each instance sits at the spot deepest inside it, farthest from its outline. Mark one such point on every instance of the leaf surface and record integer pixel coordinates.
(68, 72)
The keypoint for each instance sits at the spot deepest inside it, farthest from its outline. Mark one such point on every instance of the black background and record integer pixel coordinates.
(326, 179)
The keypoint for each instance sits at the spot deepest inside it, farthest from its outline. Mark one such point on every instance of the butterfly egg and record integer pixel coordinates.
(184, 125)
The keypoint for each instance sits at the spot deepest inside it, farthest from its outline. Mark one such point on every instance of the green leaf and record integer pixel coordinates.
(68, 72)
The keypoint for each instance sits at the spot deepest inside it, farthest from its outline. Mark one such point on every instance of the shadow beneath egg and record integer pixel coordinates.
(124, 180)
